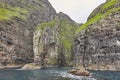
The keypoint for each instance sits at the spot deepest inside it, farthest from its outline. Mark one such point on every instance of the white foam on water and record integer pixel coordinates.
(67, 75)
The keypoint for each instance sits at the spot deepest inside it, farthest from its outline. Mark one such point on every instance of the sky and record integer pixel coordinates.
(78, 10)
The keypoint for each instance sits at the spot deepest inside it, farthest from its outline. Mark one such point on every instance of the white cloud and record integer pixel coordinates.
(78, 10)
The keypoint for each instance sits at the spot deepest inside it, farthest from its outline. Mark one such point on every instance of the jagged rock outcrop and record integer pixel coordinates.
(18, 18)
(53, 41)
(97, 43)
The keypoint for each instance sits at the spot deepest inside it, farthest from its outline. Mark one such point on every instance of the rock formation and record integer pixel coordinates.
(97, 43)
(53, 41)
(32, 31)
(18, 18)
(24, 23)
(79, 72)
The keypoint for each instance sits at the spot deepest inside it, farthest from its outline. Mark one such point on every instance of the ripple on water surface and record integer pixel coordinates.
(55, 74)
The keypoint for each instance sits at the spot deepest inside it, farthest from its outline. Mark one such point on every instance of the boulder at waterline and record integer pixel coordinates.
(31, 66)
(79, 72)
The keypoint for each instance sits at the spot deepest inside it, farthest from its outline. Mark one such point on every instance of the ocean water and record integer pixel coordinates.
(55, 74)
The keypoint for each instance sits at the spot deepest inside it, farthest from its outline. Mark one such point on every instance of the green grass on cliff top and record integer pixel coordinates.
(42, 26)
(7, 12)
(109, 4)
(100, 15)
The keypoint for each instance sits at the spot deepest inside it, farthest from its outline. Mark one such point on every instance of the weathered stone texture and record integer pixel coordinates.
(98, 46)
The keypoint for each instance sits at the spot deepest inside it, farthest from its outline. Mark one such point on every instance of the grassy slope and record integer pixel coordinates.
(107, 8)
(7, 12)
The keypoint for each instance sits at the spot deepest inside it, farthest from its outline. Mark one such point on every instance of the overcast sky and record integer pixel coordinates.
(78, 10)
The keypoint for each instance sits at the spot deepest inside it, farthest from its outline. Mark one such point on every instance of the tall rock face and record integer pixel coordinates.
(97, 43)
(32, 31)
(18, 18)
(53, 41)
